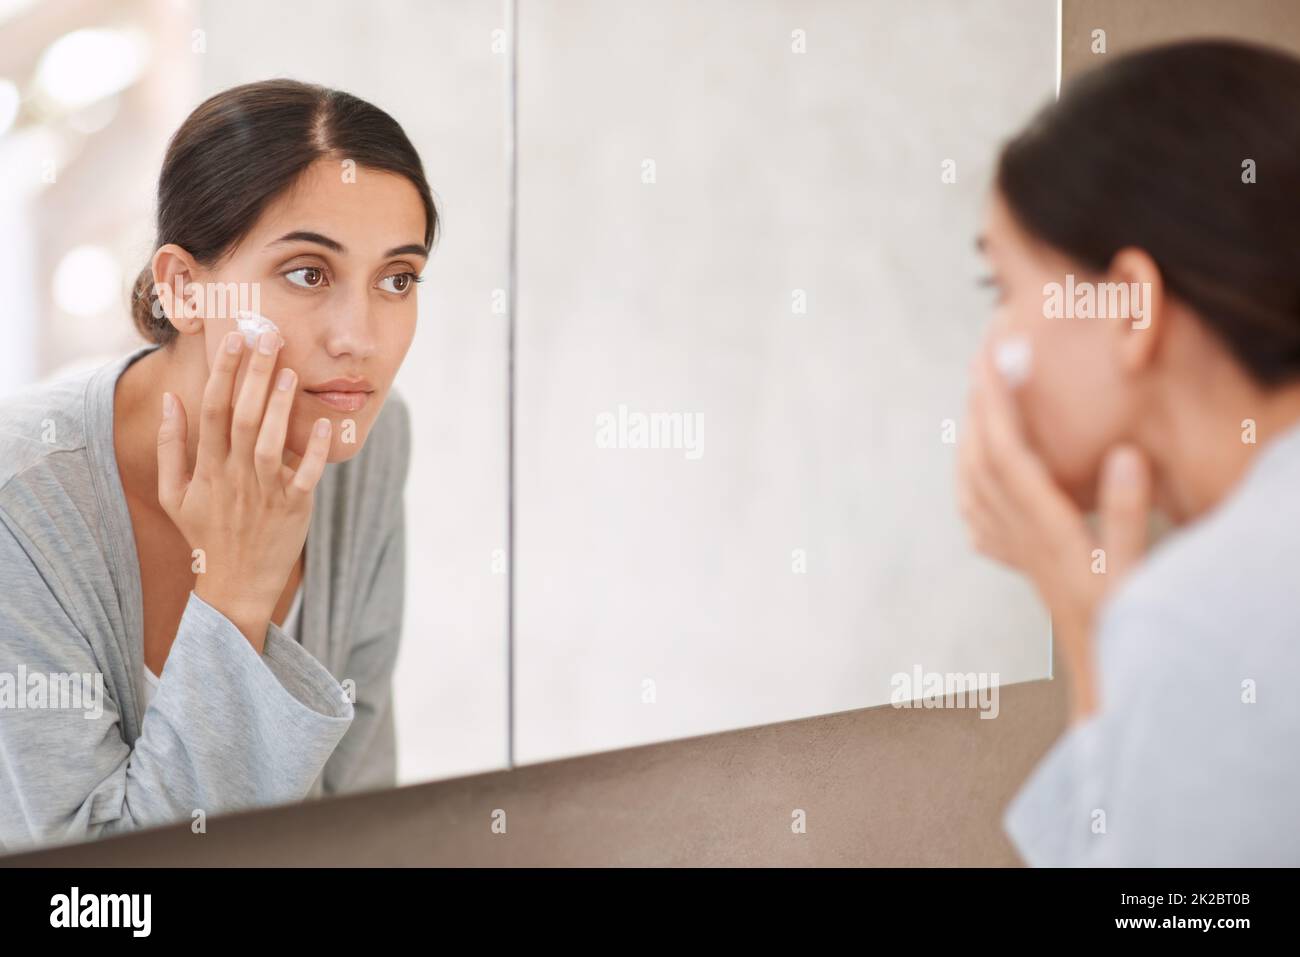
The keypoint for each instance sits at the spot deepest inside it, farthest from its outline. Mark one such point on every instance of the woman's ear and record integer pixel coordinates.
(1137, 286)
(176, 284)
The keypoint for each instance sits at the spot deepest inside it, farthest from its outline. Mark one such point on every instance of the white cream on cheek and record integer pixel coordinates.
(1013, 358)
(253, 324)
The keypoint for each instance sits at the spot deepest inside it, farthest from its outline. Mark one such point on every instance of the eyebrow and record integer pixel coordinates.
(333, 245)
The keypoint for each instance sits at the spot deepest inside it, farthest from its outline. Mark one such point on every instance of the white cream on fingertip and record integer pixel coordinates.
(1013, 357)
(253, 324)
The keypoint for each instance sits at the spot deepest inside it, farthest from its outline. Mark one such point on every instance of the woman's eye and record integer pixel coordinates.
(398, 283)
(309, 277)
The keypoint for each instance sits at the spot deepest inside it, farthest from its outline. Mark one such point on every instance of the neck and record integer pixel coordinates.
(1201, 444)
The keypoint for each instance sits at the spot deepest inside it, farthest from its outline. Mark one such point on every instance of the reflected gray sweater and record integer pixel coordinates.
(229, 728)
(1194, 755)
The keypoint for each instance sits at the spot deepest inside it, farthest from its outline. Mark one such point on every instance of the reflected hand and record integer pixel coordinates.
(1019, 516)
(242, 506)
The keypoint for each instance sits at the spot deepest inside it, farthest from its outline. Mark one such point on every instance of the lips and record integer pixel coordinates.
(343, 395)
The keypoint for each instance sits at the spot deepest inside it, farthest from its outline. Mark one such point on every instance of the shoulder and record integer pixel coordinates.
(39, 420)
(1230, 576)
(46, 497)
(1210, 615)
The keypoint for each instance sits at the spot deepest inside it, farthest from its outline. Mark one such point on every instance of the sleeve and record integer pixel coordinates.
(1162, 774)
(228, 728)
(366, 758)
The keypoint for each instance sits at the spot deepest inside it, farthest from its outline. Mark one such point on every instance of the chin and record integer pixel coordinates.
(1079, 483)
(340, 451)
(1078, 480)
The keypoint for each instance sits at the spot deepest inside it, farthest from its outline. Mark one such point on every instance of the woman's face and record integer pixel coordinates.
(1077, 399)
(333, 263)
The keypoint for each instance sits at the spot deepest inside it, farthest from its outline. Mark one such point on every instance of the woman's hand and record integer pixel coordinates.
(243, 507)
(1018, 515)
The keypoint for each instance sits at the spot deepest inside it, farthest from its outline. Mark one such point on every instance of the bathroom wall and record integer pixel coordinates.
(879, 786)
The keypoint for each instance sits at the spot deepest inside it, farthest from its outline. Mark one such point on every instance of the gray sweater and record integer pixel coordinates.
(1194, 755)
(80, 756)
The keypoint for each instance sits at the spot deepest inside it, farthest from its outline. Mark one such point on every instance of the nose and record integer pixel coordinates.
(351, 328)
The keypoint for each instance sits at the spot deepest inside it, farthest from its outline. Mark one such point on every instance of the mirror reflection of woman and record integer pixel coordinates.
(217, 528)
(1176, 172)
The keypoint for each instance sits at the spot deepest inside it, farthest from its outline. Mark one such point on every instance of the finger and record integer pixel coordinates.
(313, 460)
(268, 455)
(1000, 417)
(214, 415)
(987, 536)
(1124, 504)
(963, 480)
(173, 477)
(1023, 477)
(251, 404)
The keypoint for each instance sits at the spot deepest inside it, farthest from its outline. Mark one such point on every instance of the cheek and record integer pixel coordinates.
(399, 334)
(1071, 404)
(1019, 315)
(295, 352)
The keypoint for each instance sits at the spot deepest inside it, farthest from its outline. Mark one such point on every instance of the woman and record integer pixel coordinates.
(1176, 173)
(169, 530)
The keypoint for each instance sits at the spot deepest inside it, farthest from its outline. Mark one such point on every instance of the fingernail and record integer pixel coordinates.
(233, 342)
(169, 404)
(266, 343)
(323, 427)
(285, 381)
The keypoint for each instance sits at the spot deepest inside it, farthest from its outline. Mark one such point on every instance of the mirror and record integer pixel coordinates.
(91, 94)
(747, 298)
(744, 283)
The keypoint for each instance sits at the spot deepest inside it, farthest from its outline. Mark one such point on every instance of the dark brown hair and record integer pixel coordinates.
(242, 148)
(1149, 151)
